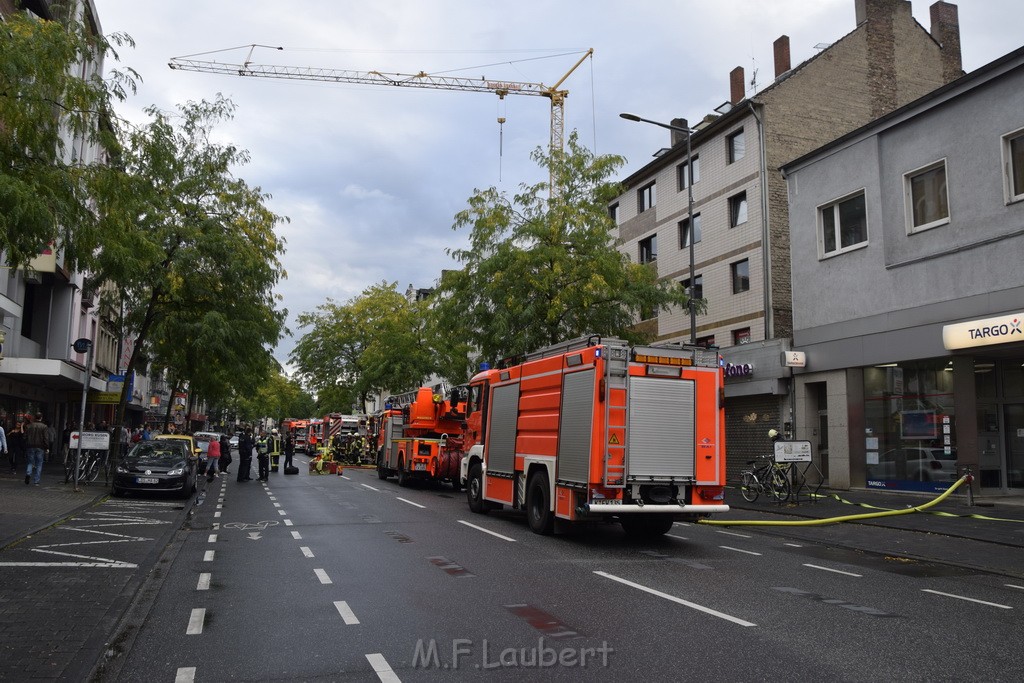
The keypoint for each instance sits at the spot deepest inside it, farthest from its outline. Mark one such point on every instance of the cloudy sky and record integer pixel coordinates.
(372, 176)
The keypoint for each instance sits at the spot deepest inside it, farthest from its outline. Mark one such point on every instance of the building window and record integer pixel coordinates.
(1014, 150)
(735, 146)
(741, 336)
(926, 197)
(698, 287)
(844, 225)
(649, 249)
(645, 198)
(684, 176)
(737, 209)
(613, 213)
(684, 231)
(740, 276)
(707, 342)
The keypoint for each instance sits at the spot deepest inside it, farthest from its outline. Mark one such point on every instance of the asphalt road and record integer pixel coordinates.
(328, 578)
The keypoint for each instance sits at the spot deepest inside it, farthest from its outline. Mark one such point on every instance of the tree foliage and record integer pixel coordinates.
(539, 270)
(193, 249)
(50, 112)
(377, 340)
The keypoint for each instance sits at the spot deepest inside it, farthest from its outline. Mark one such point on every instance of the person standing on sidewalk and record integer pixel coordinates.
(212, 459)
(16, 444)
(37, 438)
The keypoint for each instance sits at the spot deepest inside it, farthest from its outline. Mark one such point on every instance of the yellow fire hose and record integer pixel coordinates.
(837, 520)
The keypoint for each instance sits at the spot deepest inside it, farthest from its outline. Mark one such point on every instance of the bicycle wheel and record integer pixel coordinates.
(92, 470)
(749, 487)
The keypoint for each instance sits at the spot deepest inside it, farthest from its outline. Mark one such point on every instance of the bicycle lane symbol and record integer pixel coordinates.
(254, 528)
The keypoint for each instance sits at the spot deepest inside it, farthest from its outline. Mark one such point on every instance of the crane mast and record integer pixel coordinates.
(400, 80)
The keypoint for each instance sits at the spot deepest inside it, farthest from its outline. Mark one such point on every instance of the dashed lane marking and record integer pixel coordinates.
(1011, 585)
(216, 515)
(296, 535)
(277, 505)
(306, 551)
(486, 531)
(961, 597)
(281, 512)
(322, 575)
(288, 522)
(195, 622)
(372, 489)
(680, 601)
(732, 533)
(204, 582)
(346, 478)
(347, 615)
(185, 674)
(739, 550)
(422, 507)
(681, 538)
(793, 545)
(212, 538)
(380, 667)
(208, 557)
(834, 571)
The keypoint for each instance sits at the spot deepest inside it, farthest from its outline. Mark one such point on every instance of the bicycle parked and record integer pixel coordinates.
(89, 466)
(767, 477)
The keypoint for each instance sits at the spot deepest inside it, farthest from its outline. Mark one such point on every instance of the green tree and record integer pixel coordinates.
(374, 341)
(194, 252)
(539, 270)
(46, 108)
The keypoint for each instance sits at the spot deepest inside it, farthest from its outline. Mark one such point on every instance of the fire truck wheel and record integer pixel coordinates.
(403, 476)
(646, 526)
(538, 505)
(475, 489)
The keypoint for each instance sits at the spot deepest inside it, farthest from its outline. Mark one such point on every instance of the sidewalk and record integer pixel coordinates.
(24, 510)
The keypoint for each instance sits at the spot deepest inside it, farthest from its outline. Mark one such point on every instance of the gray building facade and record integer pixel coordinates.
(907, 238)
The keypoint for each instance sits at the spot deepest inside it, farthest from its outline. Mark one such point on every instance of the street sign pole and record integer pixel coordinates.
(82, 345)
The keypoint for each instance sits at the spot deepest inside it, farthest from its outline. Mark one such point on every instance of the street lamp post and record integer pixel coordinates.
(689, 197)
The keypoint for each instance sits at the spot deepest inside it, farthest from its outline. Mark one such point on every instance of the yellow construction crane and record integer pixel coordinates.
(399, 80)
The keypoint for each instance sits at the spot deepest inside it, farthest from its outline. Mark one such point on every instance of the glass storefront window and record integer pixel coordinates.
(909, 437)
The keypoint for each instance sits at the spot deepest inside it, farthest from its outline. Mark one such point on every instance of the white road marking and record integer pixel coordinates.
(204, 582)
(306, 551)
(666, 596)
(347, 615)
(208, 557)
(185, 674)
(296, 535)
(216, 526)
(681, 538)
(682, 524)
(216, 515)
(732, 533)
(346, 478)
(273, 498)
(195, 622)
(372, 489)
(1011, 585)
(277, 505)
(380, 667)
(486, 531)
(837, 571)
(212, 538)
(281, 512)
(793, 545)
(97, 565)
(322, 575)
(423, 507)
(219, 506)
(288, 522)
(960, 597)
(738, 550)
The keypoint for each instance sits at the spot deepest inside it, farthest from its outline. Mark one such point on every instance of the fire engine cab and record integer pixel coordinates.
(595, 429)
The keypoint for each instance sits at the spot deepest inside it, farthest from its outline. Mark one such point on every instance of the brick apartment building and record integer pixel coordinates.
(740, 212)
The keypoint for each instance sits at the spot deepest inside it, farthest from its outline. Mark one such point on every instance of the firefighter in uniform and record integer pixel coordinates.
(262, 450)
(274, 449)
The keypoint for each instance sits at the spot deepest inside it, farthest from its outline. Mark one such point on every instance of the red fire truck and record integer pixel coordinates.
(596, 428)
(420, 437)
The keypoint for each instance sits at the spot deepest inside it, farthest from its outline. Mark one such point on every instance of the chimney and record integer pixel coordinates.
(782, 63)
(945, 30)
(736, 85)
(679, 136)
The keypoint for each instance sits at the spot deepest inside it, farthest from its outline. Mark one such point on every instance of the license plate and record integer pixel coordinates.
(420, 467)
(146, 480)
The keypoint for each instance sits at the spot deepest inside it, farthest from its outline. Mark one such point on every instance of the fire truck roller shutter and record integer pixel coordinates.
(576, 426)
(661, 429)
(501, 438)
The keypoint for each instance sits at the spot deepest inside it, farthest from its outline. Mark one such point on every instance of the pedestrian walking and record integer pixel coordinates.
(225, 453)
(16, 444)
(263, 457)
(245, 446)
(37, 440)
(212, 459)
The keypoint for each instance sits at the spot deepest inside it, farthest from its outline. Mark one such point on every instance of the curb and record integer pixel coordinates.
(21, 535)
